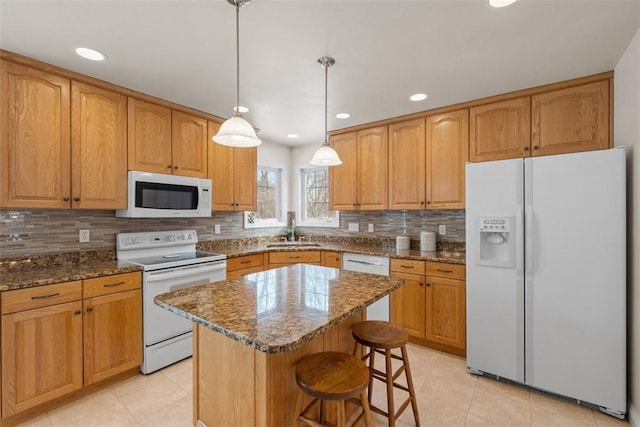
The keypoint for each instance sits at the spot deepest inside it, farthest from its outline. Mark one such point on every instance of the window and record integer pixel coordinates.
(269, 212)
(314, 199)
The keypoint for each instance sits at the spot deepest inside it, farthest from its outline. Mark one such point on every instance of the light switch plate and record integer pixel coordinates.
(216, 229)
(370, 229)
(84, 236)
(354, 226)
(442, 229)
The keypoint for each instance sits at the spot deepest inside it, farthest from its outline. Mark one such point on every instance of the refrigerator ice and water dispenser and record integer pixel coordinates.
(497, 242)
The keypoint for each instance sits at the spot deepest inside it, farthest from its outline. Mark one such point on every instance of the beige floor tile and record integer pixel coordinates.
(453, 368)
(475, 421)
(181, 373)
(145, 395)
(88, 410)
(178, 414)
(39, 421)
(499, 403)
(546, 409)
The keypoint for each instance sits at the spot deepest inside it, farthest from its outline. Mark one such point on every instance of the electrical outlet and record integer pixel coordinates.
(354, 226)
(370, 229)
(84, 236)
(216, 229)
(442, 229)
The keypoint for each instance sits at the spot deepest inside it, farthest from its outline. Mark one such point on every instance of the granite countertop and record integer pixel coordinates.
(276, 311)
(453, 255)
(27, 272)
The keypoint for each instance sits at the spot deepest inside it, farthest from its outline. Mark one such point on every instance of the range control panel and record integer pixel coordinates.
(494, 224)
(156, 239)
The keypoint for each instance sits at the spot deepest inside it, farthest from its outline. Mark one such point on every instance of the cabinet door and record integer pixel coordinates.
(500, 130)
(407, 165)
(373, 169)
(343, 178)
(408, 308)
(571, 120)
(447, 138)
(34, 139)
(41, 355)
(188, 145)
(149, 130)
(220, 168)
(98, 148)
(112, 334)
(245, 178)
(332, 259)
(446, 312)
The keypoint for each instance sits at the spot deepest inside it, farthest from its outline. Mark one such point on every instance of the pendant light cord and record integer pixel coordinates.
(237, 112)
(326, 78)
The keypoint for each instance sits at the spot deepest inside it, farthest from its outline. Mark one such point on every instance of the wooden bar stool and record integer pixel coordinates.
(381, 337)
(334, 376)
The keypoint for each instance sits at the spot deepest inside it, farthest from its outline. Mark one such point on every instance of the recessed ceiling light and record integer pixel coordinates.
(292, 135)
(501, 3)
(418, 97)
(343, 115)
(90, 54)
(241, 109)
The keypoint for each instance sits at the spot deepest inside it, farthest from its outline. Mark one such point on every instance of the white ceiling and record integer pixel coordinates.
(453, 50)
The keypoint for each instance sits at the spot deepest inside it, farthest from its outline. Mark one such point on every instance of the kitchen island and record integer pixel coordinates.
(250, 332)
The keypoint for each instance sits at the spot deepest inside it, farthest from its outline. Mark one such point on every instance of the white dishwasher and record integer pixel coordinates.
(379, 310)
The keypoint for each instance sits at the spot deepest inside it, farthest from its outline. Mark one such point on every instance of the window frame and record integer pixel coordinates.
(301, 219)
(280, 208)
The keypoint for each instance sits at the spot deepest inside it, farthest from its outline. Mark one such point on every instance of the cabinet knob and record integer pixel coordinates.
(526, 148)
(422, 202)
(428, 202)
(76, 199)
(421, 284)
(428, 284)
(66, 199)
(77, 312)
(175, 167)
(354, 204)
(89, 310)
(535, 147)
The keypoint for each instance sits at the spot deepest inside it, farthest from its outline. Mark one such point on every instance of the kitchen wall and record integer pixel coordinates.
(29, 233)
(627, 133)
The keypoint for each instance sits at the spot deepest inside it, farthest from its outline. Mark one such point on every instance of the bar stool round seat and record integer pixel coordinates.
(382, 337)
(333, 376)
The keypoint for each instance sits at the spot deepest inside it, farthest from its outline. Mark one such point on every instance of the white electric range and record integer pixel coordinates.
(170, 262)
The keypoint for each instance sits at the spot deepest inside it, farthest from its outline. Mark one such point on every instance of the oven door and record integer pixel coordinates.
(160, 324)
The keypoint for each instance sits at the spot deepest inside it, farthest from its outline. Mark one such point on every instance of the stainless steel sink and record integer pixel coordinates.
(293, 245)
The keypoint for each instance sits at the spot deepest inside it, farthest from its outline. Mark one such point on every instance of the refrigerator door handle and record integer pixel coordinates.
(519, 235)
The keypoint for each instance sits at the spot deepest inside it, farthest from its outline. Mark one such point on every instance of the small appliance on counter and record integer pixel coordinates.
(403, 242)
(427, 241)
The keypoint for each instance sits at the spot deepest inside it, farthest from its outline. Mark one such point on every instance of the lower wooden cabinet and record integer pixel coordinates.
(431, 306)
(51, 335)
(332, 259)
(239, 266)
(284, 258)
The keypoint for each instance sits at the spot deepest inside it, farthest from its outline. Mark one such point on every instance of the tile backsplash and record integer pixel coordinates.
(36, 232)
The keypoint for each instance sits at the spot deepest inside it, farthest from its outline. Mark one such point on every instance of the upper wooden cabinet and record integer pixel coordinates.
(361, 182)
(63, 145)
(407, 176)
(98, 148)
(35, 139)
(189, 145)
(149, 137)
(233, 172)
(570, 120)
(162, 140)
(447, 142)
(500, 130)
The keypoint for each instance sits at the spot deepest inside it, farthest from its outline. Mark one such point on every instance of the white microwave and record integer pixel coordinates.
(156, 195)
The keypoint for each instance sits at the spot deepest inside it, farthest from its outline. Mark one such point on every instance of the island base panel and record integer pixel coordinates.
(237, 385)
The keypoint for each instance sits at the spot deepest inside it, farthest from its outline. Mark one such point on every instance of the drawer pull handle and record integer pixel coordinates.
(293, 257)
(113, 285)
(46, 296)
(245, 262)
(445, 271)
(406, 266)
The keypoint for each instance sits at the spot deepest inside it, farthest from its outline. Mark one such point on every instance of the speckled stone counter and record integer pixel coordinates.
(451, 253)
(276, 311)
(27, 272)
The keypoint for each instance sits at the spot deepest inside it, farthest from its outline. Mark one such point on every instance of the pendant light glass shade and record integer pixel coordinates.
(325, 155)
(236, 131)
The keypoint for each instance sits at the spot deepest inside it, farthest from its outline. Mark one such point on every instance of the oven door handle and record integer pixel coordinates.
(154, 276)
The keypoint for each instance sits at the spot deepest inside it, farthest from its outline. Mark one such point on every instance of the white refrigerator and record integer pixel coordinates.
(546, 274)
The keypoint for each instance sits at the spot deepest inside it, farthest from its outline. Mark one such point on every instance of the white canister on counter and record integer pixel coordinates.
(403, 242)
(427, 241)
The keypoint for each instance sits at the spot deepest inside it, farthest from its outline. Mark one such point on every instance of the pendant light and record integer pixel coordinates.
(326, 156)
(236, 131)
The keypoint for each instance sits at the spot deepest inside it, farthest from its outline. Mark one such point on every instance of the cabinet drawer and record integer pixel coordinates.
(440, 269)
(111, 284)
(407, 266)
(243, 262)
(40, 296)
(332, 259)
(294, 257)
